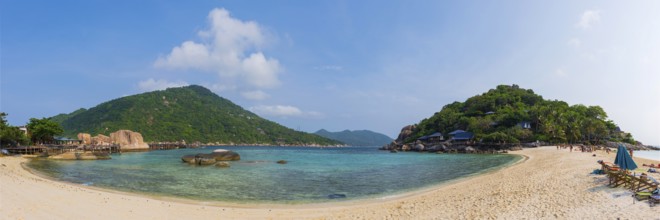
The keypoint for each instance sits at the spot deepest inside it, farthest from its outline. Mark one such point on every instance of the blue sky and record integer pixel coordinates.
(377, 65)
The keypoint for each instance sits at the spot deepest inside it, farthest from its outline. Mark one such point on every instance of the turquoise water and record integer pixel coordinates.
(648, 154)
(311, 175)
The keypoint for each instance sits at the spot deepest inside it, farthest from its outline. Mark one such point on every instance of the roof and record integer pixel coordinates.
(423, 138)
(65, 139)
(456, 132)
(490, 112)
(436, 134)
(463, 136)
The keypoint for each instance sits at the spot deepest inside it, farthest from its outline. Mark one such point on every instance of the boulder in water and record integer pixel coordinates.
(188, 159)
(282, 161)
(226, 156)
(212, 158)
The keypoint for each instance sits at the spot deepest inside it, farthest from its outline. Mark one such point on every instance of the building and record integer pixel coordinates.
(461, 135)
(66, 141)
(433, 138)
(23, 129)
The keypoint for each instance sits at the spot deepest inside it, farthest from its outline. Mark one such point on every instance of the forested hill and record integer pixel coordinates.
(191, 113)
(356, 138)
(512, 114)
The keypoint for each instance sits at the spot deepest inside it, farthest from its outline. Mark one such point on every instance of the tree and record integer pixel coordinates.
(42, 130)
(10, 135)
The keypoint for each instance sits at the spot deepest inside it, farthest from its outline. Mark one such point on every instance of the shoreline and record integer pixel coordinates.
(366, 200)
(536, 186)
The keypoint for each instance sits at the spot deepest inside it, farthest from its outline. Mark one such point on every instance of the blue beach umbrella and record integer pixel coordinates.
(624, 160)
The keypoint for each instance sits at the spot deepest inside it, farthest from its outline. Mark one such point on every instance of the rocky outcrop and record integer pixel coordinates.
(211, 158)
(85, 138)
(101, 140)
(637, 146)
(129, 140)
(418, 147)
(81, 156)
(405, 133)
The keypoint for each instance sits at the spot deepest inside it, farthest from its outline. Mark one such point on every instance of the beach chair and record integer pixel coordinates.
(644, 187)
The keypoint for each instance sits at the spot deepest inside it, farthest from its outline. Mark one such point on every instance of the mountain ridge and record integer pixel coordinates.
(356, 137)
(191, 113)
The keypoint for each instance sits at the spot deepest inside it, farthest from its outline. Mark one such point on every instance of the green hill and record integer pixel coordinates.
(512, 114)
(191, 113)
(356, 138)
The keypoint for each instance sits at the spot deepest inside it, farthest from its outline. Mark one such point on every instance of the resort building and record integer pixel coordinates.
(432, 139)
(67, 141)
(461, 135)
(23, 129)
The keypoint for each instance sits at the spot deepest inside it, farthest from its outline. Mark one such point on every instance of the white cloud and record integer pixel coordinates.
(160, 84)
(588, 18)
(575, 42)
(283, 111)
(255, 95)
(560, 72)
(229, 48)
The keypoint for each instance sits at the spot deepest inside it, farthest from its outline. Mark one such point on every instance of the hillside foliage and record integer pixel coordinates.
(500, 114)
(191, 113)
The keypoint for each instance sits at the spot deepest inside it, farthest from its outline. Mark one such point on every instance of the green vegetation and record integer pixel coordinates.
(43, 130)
(357, 138)
(499, 116)
(10, 136)
(191, 113)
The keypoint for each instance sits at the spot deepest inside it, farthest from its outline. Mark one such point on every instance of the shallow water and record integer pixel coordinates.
(311, 174)
(648, 154)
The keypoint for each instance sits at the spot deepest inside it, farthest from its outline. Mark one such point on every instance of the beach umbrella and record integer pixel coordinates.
(624, 160)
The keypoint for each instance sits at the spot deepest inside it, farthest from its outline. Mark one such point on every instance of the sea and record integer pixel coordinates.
(312, 175)
(648, 154)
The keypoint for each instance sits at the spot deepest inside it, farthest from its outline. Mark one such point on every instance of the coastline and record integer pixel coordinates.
(546, 183)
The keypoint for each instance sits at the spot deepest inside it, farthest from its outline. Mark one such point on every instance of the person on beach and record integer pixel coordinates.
(571, 148)
(607, 149)
(631, 151)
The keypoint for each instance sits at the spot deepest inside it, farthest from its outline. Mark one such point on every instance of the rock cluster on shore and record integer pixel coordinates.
(212, 158)
(126, 139)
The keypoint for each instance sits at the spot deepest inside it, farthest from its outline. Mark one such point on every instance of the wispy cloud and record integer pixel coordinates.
(159, 84)
(588, 19)
(284, 111)
(574, 42)
(229, 48)
(255, 95)
(560, 72)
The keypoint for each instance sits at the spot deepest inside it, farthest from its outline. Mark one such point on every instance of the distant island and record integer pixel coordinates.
(191, 114)
(357, 137)
(511, 116)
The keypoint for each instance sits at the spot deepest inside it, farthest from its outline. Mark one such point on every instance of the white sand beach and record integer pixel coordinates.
(548, 184)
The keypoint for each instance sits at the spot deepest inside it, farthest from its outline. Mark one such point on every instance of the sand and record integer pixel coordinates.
(548, 184)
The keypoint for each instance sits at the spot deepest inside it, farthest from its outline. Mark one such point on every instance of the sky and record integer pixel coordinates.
(336, 65)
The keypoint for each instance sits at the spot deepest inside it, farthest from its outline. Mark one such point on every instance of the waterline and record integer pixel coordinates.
(311, 175)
